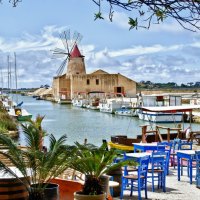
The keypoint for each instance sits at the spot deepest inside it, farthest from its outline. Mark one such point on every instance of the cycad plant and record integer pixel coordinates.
(36, 166)
(94, 162)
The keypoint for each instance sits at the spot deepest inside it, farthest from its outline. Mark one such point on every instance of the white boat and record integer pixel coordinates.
(111, 105)
(82, 103)
(94, 99)
(20, 114)
(64, 101)
(126, 111)
(159, 101)
(165, 113)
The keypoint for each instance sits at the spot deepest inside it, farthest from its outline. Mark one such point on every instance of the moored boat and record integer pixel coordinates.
(154, 108)
(20, 114)
(126, 111)
(111, 105)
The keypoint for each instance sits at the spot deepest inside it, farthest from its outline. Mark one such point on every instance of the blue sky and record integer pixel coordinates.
(165, 53)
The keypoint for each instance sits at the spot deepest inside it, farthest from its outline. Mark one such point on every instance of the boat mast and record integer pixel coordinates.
(2, 80)
(16, 74)
(8, 62)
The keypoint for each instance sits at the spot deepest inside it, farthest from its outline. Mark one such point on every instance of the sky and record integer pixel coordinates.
(165, 53)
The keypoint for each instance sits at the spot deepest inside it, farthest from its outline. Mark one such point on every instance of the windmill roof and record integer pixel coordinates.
(75, 52)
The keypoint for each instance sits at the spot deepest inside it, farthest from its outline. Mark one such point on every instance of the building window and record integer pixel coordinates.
(88, 81)
(97, 81)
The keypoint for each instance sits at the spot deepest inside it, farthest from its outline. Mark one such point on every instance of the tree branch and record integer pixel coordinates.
(185, 12)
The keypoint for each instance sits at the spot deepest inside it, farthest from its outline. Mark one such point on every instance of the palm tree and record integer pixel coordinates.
(38, 124)
(94, 162)
(37, 167)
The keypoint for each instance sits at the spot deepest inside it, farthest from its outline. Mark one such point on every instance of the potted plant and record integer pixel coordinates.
(94, 162)
(35, 166)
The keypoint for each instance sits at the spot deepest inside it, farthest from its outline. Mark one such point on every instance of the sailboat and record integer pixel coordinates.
(17, 111)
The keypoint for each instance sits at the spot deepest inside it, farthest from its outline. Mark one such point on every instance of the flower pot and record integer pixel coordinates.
(51, 192)
(80, 196)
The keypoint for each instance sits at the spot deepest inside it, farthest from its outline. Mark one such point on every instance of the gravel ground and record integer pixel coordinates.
(175, 190)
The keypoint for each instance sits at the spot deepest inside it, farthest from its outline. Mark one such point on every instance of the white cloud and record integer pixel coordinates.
(158, 63)
(141, 50)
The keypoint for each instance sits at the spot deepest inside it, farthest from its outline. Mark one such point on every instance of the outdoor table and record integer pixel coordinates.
(137, 156)
(147, 146)
(189, 155)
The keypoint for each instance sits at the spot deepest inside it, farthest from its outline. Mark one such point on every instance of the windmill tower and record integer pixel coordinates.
(73, 60)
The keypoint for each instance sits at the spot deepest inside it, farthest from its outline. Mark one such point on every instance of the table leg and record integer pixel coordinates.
(190, 163)
(178, 163)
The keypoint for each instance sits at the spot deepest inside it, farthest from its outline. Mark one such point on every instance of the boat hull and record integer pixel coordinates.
(160, 117)
(126, 112)
(24, 118)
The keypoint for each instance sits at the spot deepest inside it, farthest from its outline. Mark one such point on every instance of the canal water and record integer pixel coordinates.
(80, 123)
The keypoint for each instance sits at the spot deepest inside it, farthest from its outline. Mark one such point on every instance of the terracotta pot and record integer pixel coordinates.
(80, 196)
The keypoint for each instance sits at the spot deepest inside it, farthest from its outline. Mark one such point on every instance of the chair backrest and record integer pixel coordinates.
(185, 146)
(143, 166)
(168, 146)
(159, 160)
(176, 142)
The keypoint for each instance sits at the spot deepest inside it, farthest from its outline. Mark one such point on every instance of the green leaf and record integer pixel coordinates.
(98, 16)
(133, 23)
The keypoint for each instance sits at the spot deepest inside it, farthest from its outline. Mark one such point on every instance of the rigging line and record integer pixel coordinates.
(128, 126)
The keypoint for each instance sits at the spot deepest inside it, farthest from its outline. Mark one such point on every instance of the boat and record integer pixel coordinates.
(166, 113)
(148, 108)
(126, 111)
(80, 100)
(111, 105)
(16, 110)
(64, 101)
(39, 98)
(20, 114)
(81, 103)
(94, 99)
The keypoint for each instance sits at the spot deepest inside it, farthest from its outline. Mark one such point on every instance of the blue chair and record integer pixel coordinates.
(158, 169)
(185, 146)
(137, 180)
(168, 148)
(197, 155)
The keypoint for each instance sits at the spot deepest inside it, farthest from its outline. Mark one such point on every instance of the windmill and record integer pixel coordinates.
(69, 41)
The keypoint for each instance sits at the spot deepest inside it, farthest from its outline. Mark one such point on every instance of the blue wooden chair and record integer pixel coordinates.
(185, 146)
(137, 180)
(168, 148)
(158, 169)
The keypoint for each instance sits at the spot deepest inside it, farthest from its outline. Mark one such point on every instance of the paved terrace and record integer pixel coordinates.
(175, 190)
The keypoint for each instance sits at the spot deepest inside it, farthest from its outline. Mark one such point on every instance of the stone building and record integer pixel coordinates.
(76, 81)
